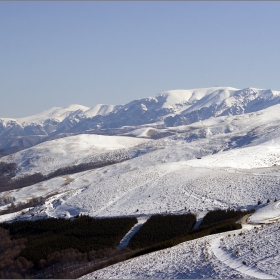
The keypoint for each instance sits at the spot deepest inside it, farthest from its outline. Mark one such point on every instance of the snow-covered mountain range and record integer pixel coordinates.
(186, 150)
(166, 109)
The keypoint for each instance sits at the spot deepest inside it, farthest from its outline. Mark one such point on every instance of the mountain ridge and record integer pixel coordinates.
(166, 109)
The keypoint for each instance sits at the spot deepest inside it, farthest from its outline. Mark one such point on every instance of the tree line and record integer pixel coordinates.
(85, 234)
(159, 228)
(59, 248)
(48, 246)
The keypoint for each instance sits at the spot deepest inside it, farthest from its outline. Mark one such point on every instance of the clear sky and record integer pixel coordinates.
(62, 53)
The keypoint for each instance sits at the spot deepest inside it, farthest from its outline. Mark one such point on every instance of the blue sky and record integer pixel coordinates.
(62, 53)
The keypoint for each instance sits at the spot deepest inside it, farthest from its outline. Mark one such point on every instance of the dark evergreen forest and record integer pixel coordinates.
(160, 228)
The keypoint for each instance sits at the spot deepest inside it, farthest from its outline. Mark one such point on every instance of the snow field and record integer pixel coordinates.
(121, 190)
(236, 263)
(259, 248)
(245, 158)
(159, 179)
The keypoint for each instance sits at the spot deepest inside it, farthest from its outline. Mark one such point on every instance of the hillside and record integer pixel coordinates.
(52, 155)
(242, 253)
(206, 165)
(239, 254)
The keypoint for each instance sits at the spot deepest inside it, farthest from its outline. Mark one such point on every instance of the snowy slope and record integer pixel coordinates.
(100, 109)
(208, 257)
(193, 259)
(264, 155)
(258, 247)
(52, 155)
(252, 252)
(123, 188)
(267, 214)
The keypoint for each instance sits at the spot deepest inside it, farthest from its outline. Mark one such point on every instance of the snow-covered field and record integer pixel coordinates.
(263, 155)
(124, 189)
(256, 249)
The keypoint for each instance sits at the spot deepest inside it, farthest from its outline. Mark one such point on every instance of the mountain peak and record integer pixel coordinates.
(101, 109)
(76, 107)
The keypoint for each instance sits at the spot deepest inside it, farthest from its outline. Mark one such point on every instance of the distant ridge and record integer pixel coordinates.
(166, 109)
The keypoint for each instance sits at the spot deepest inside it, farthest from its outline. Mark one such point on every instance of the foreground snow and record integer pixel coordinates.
(237, 263)
(257, 249)
(193, 259)
(252, 252)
